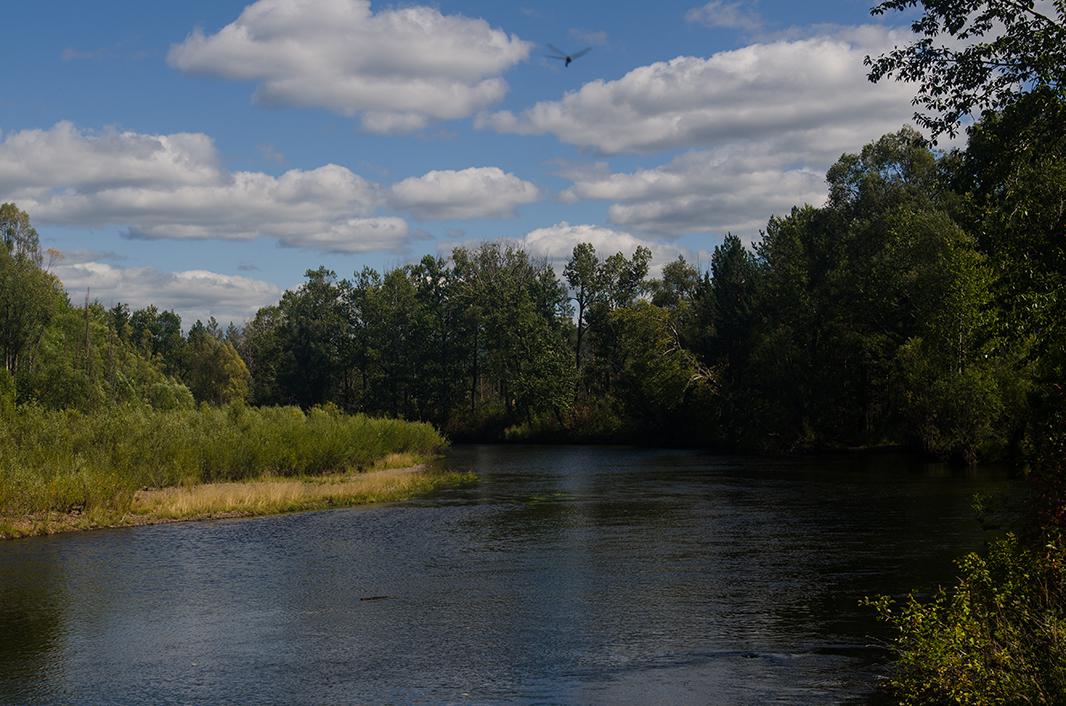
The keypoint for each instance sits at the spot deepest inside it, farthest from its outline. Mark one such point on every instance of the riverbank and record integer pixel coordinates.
(248, 498)
(67, 470)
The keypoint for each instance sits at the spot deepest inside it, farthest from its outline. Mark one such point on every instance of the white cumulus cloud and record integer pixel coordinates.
(193, 294)
(735, 188)
(556, 243)
(397, 67)
(748, 94)
(171, 186)
(32, 159)
(477, 192)
(761, 124)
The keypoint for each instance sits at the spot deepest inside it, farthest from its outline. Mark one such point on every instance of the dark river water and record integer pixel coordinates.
(567, 574)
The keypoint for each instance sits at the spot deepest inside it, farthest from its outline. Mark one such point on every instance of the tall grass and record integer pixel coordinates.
(69, 461)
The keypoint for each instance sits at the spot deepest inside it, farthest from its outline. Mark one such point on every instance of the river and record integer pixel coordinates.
(567, 574)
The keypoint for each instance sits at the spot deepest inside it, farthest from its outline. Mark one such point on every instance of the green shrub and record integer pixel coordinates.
(169, 395)
(998, 636)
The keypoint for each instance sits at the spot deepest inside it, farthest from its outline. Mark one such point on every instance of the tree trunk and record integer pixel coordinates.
(473, 386)
(580, 329)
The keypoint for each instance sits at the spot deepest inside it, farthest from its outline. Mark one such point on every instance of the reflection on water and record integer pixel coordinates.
(568, 574)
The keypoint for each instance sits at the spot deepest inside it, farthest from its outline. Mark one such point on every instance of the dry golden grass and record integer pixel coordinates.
(264, 496)
(271, 495)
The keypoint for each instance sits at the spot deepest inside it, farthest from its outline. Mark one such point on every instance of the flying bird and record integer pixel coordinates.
(567, 59)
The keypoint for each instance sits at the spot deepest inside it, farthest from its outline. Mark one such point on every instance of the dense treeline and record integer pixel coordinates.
(481, 341)
(435, 341)
(922, 304)
(62, 356)
(998, 635)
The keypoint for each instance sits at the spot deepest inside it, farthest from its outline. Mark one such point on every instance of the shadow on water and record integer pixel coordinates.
(32, 606)
(567, 574)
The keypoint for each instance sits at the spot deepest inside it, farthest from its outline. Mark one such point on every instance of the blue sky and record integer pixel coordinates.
(201, 155)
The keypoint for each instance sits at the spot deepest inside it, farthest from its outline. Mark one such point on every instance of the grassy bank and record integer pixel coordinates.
(248, 498)
(68, 470)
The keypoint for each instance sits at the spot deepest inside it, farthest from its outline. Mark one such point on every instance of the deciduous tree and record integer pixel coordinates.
(975, 55)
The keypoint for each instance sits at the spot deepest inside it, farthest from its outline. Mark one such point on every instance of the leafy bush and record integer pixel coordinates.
(170, 395)
(997, 637)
